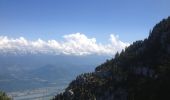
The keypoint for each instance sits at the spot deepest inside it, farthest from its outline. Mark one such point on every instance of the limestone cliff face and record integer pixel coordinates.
(140, 72)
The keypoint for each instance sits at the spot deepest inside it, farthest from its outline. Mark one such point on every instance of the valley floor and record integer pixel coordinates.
(45, 93)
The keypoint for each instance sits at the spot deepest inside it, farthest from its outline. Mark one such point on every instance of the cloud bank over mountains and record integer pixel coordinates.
(72, 44)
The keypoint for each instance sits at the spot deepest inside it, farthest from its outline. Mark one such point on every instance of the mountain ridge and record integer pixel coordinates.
(140, 72)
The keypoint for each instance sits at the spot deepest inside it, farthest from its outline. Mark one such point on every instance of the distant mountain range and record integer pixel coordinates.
(26, 72)
(140, 72)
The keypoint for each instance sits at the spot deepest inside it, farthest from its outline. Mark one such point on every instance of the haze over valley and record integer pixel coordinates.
(84, 49)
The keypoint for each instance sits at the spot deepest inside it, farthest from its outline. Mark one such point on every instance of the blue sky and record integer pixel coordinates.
(51, 19)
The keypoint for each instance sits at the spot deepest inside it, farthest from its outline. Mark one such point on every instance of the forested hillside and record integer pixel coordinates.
(140, 72)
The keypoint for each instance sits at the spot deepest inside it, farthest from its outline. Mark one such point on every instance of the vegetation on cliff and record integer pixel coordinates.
(3, 96)
(140, 72)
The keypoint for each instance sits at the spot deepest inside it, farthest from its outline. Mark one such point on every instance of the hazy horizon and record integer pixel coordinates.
(47, 45)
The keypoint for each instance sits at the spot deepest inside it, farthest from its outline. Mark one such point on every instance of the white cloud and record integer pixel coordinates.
(73, 44)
